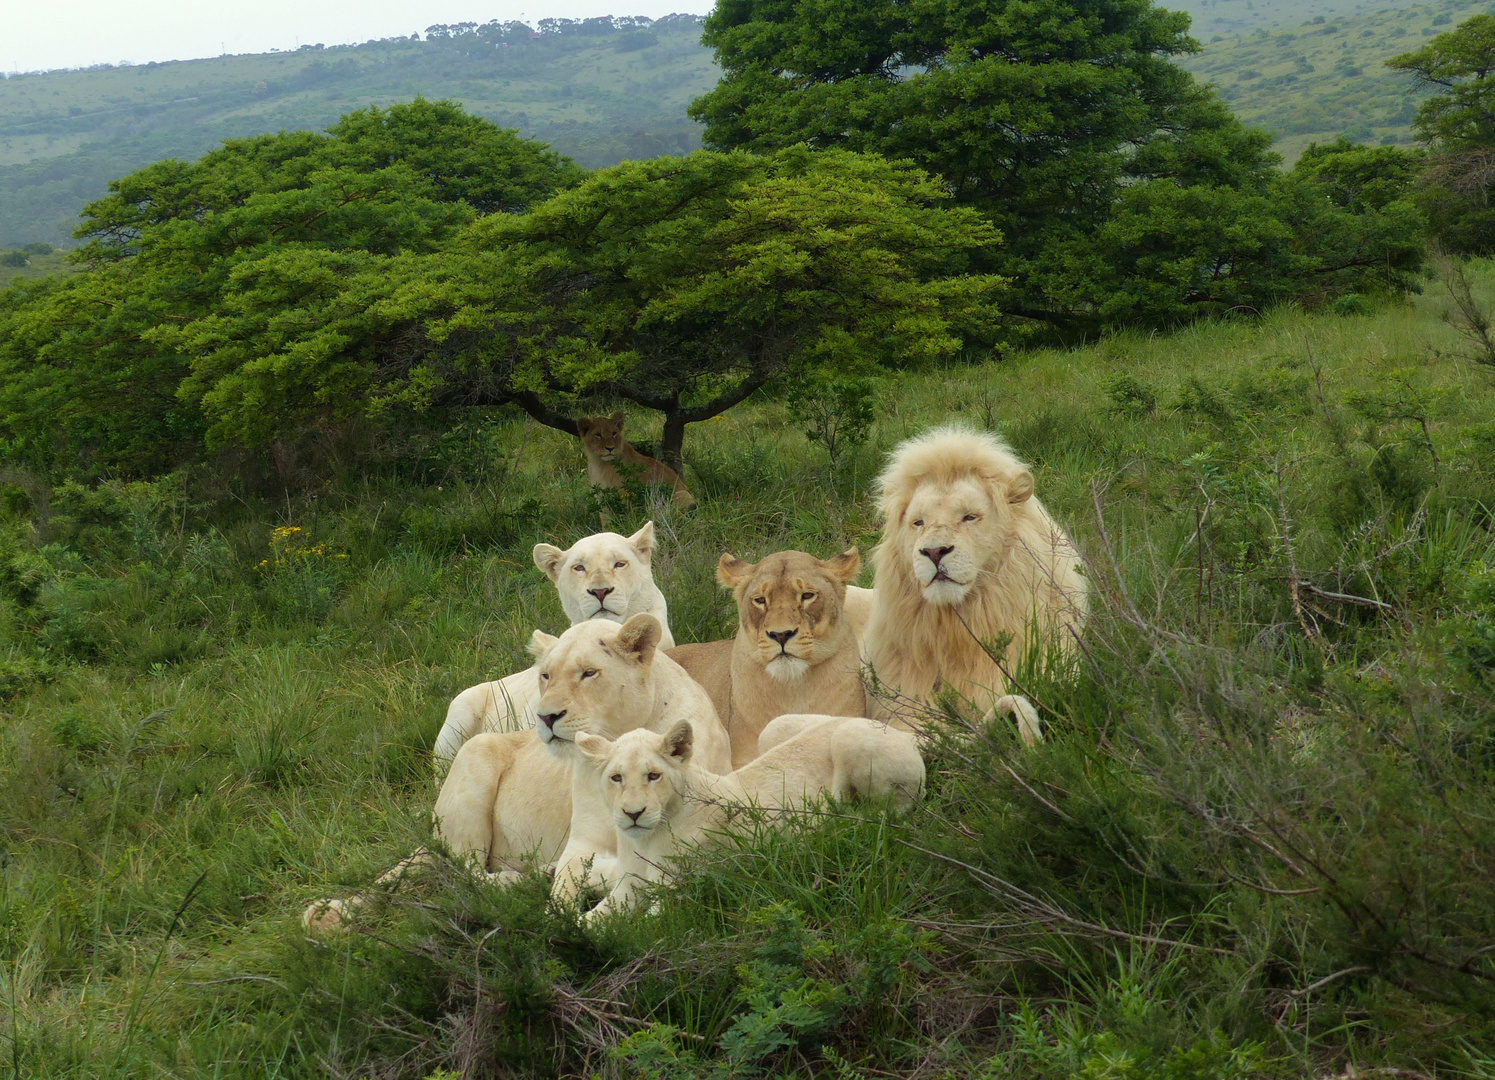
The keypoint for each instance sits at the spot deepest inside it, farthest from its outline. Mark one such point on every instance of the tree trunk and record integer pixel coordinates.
(672, 442)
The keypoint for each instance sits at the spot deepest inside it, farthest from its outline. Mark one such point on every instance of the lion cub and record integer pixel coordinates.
(602, 441)
(660, 799)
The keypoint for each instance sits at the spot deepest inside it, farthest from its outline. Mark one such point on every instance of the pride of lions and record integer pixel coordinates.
(617, 747)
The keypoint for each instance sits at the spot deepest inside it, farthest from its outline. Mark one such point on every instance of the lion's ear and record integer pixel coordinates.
(1020, 486)
(584, 426)
(639, 637)
(548, 559)
(732, 571)
(679, 741)
(540, 643)
(618, 419)
(643, 541)
(845, 566)
(593, 747)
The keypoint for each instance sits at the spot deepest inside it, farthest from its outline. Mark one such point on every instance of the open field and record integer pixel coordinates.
(1255, 843)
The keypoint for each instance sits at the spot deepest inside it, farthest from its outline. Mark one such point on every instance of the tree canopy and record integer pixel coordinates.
(1126, 191)
(1457, 123)
(88, 363)
(681, 284)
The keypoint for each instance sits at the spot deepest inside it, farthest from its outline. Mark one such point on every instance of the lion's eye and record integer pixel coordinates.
(619, 565)
(653, 776)
(588, 673)
(759, 601)
(807, 597)
(579, 568)
(616, 778)
(969, 517)
(919, 524)
(544, 676)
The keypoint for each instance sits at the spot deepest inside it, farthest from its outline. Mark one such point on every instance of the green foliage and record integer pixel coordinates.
(681, 284)
(1115, 214)
(91, 366)
(837, 412)
(1457, 122)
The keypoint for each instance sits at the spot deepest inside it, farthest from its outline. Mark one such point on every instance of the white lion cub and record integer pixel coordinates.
(660, 799)
(604, 576)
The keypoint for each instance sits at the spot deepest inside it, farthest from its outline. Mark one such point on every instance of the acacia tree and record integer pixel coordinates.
(680, 284)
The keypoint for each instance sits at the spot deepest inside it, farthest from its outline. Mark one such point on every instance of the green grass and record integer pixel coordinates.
(209, 724)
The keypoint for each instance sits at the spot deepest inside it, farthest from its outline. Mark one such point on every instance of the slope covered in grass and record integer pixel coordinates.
(1314, 72)
(598, 93)
(1256, 841)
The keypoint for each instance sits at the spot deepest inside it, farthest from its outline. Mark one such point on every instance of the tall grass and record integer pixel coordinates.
(1257, 840)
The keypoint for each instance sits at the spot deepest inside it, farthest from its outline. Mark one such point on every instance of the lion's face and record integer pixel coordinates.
(642, 775)
(605, 576)
(595, 679)
(602, 435)
(954, 530)
(790, 606)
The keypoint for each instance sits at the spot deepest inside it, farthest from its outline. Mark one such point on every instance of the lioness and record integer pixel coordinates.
(658, 798)
(510, 793)
(603, 443)
(967, 552)
(795, 650)
(603, 576)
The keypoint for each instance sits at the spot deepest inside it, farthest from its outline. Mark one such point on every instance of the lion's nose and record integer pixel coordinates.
(783, 636)
(934, 555)
(635, 814)
(549, 718)
(600, 594)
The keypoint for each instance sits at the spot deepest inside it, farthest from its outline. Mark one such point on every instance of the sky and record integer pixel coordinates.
(38, 35)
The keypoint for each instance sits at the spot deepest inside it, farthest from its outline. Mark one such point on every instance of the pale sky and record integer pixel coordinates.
(37, 35)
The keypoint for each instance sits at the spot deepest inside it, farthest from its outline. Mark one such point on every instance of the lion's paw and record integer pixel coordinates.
(504, 878)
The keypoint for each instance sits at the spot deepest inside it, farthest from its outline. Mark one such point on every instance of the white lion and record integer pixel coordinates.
(510, 794)
(659, 798)
(604, 576)
(967, 553)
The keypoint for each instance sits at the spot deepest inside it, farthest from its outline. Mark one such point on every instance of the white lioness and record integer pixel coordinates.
(659, 798)
(967, 552)
(604, 576)
(510, 794)
(796, 651)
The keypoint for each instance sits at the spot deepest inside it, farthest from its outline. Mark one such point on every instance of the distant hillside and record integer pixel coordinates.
(1313, 71)
(605, 89)
(599, 90)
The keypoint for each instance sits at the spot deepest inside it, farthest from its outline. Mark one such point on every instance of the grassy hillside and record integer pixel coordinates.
(1316, 71)
(1306, 71)
(1256, 842)
(597, 94)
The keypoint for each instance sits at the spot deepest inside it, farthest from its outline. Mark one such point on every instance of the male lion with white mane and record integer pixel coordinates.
(968, 554)
(658, 797)
(601, 577)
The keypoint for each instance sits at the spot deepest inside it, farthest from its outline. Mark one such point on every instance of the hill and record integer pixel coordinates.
(599, 90)
(604, 89)
(1316, 71)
